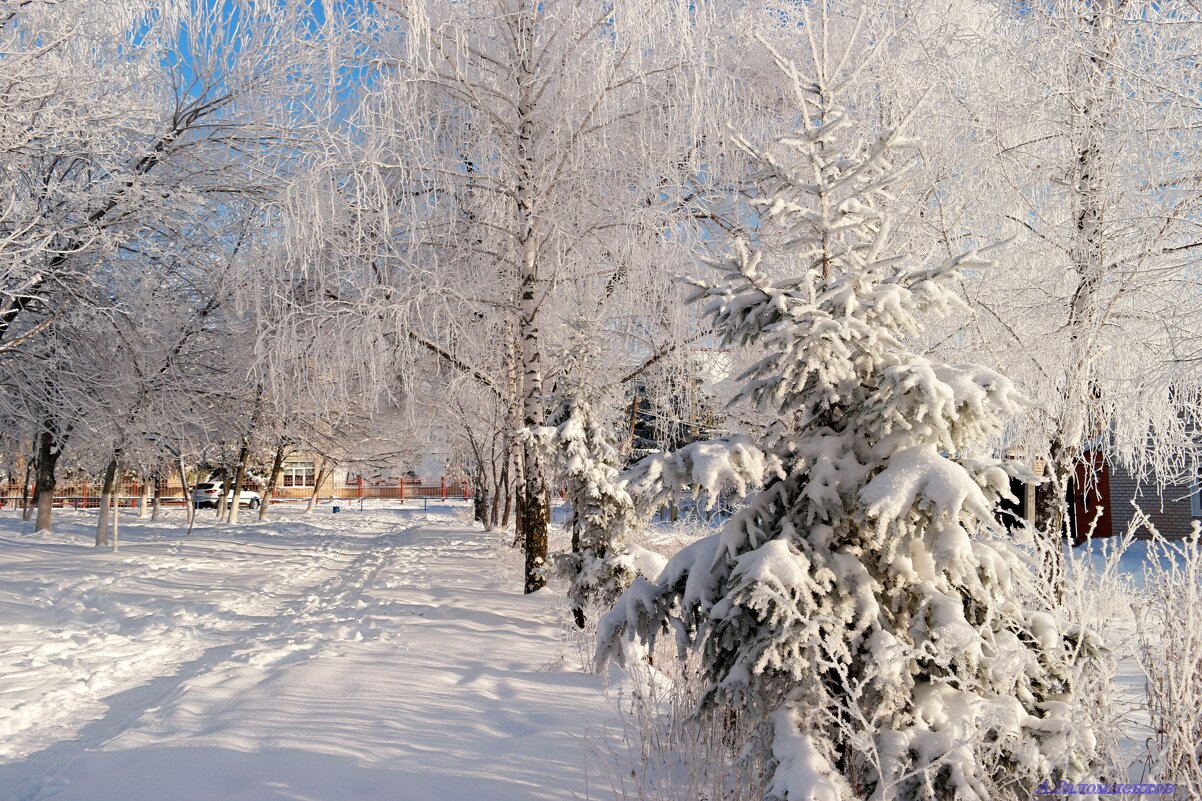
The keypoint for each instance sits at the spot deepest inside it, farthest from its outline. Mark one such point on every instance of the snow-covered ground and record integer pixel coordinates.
(381, 654)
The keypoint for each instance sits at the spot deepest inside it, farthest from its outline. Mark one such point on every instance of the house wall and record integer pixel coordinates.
(1167, 508)
(328, 483)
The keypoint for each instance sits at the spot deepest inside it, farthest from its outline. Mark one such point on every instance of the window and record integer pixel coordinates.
(299, 474)
(1195, 498)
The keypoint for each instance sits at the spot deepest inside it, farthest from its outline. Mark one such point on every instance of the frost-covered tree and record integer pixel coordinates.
(857, 613)
(601, 563)
(127, 131)
(1080, 120)
(515, 164)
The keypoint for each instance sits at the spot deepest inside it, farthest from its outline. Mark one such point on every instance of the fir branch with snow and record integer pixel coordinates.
(601, 564)
(859, 610)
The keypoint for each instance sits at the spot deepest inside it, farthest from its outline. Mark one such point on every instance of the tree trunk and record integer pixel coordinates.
(1051, 515)
(223, 500)
(513, 462)
(535, 520)
(277, 464)
(628, 448)
(322, 472)
(495, 510)
(189, 501)
(482, 503)
(49, 451)
(158, 497)
(239, 477)
(106, 497)
(116, 517)
(519, 514)
(505, 495)
(144, 506)
(1089, 263)
(27, 498)
(537, 528)
(532, 518)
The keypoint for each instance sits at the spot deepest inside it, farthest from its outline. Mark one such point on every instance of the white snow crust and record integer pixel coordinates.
(384, 655)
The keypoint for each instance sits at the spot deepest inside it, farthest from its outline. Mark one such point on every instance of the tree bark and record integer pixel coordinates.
(116, 517)
(223, 500)
(505, 494)
(106, 497)
(189, 501)
(144, 505)
(158, 497)
(27, 498)
(1051, 515)
(322, 473)
(49, 451)
(535, 520)
(277, 464)
(513, 385)
(495, 507)
(519, 514)
(482, 505)
(239, 477)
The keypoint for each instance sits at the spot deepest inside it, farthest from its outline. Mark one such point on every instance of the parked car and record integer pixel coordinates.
(208, 494)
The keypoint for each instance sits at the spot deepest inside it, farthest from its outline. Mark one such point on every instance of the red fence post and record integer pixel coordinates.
(444, 488)
(467, 488)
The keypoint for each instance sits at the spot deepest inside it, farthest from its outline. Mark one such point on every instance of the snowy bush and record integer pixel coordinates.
(856, 614)
(1098, 595)
(601, 563)
(666, 751)
(1171, 658)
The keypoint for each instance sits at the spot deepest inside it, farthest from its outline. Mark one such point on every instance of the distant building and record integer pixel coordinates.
(1103, 498)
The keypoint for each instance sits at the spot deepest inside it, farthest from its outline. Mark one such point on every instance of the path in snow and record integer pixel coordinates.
(369, 655)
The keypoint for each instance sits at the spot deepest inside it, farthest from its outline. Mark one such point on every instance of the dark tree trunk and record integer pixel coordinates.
(482, 502)
(277, 464)
(494, 511)
(239, 477)
(28, 499)
(158, 497)
(222, 501)
(535, 524)
(49, 451)
(505, 495)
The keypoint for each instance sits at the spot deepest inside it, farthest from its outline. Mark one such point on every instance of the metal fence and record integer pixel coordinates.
(86, 495)
(366, 489)
(82, 495)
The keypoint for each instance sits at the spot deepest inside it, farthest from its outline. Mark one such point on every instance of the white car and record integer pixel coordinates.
(208, 494)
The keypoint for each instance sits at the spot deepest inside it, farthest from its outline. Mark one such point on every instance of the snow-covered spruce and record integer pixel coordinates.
(857, 611)
(601, 564)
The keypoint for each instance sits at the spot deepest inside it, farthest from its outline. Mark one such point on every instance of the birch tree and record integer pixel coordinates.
(1068, 130)
(506, 154)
